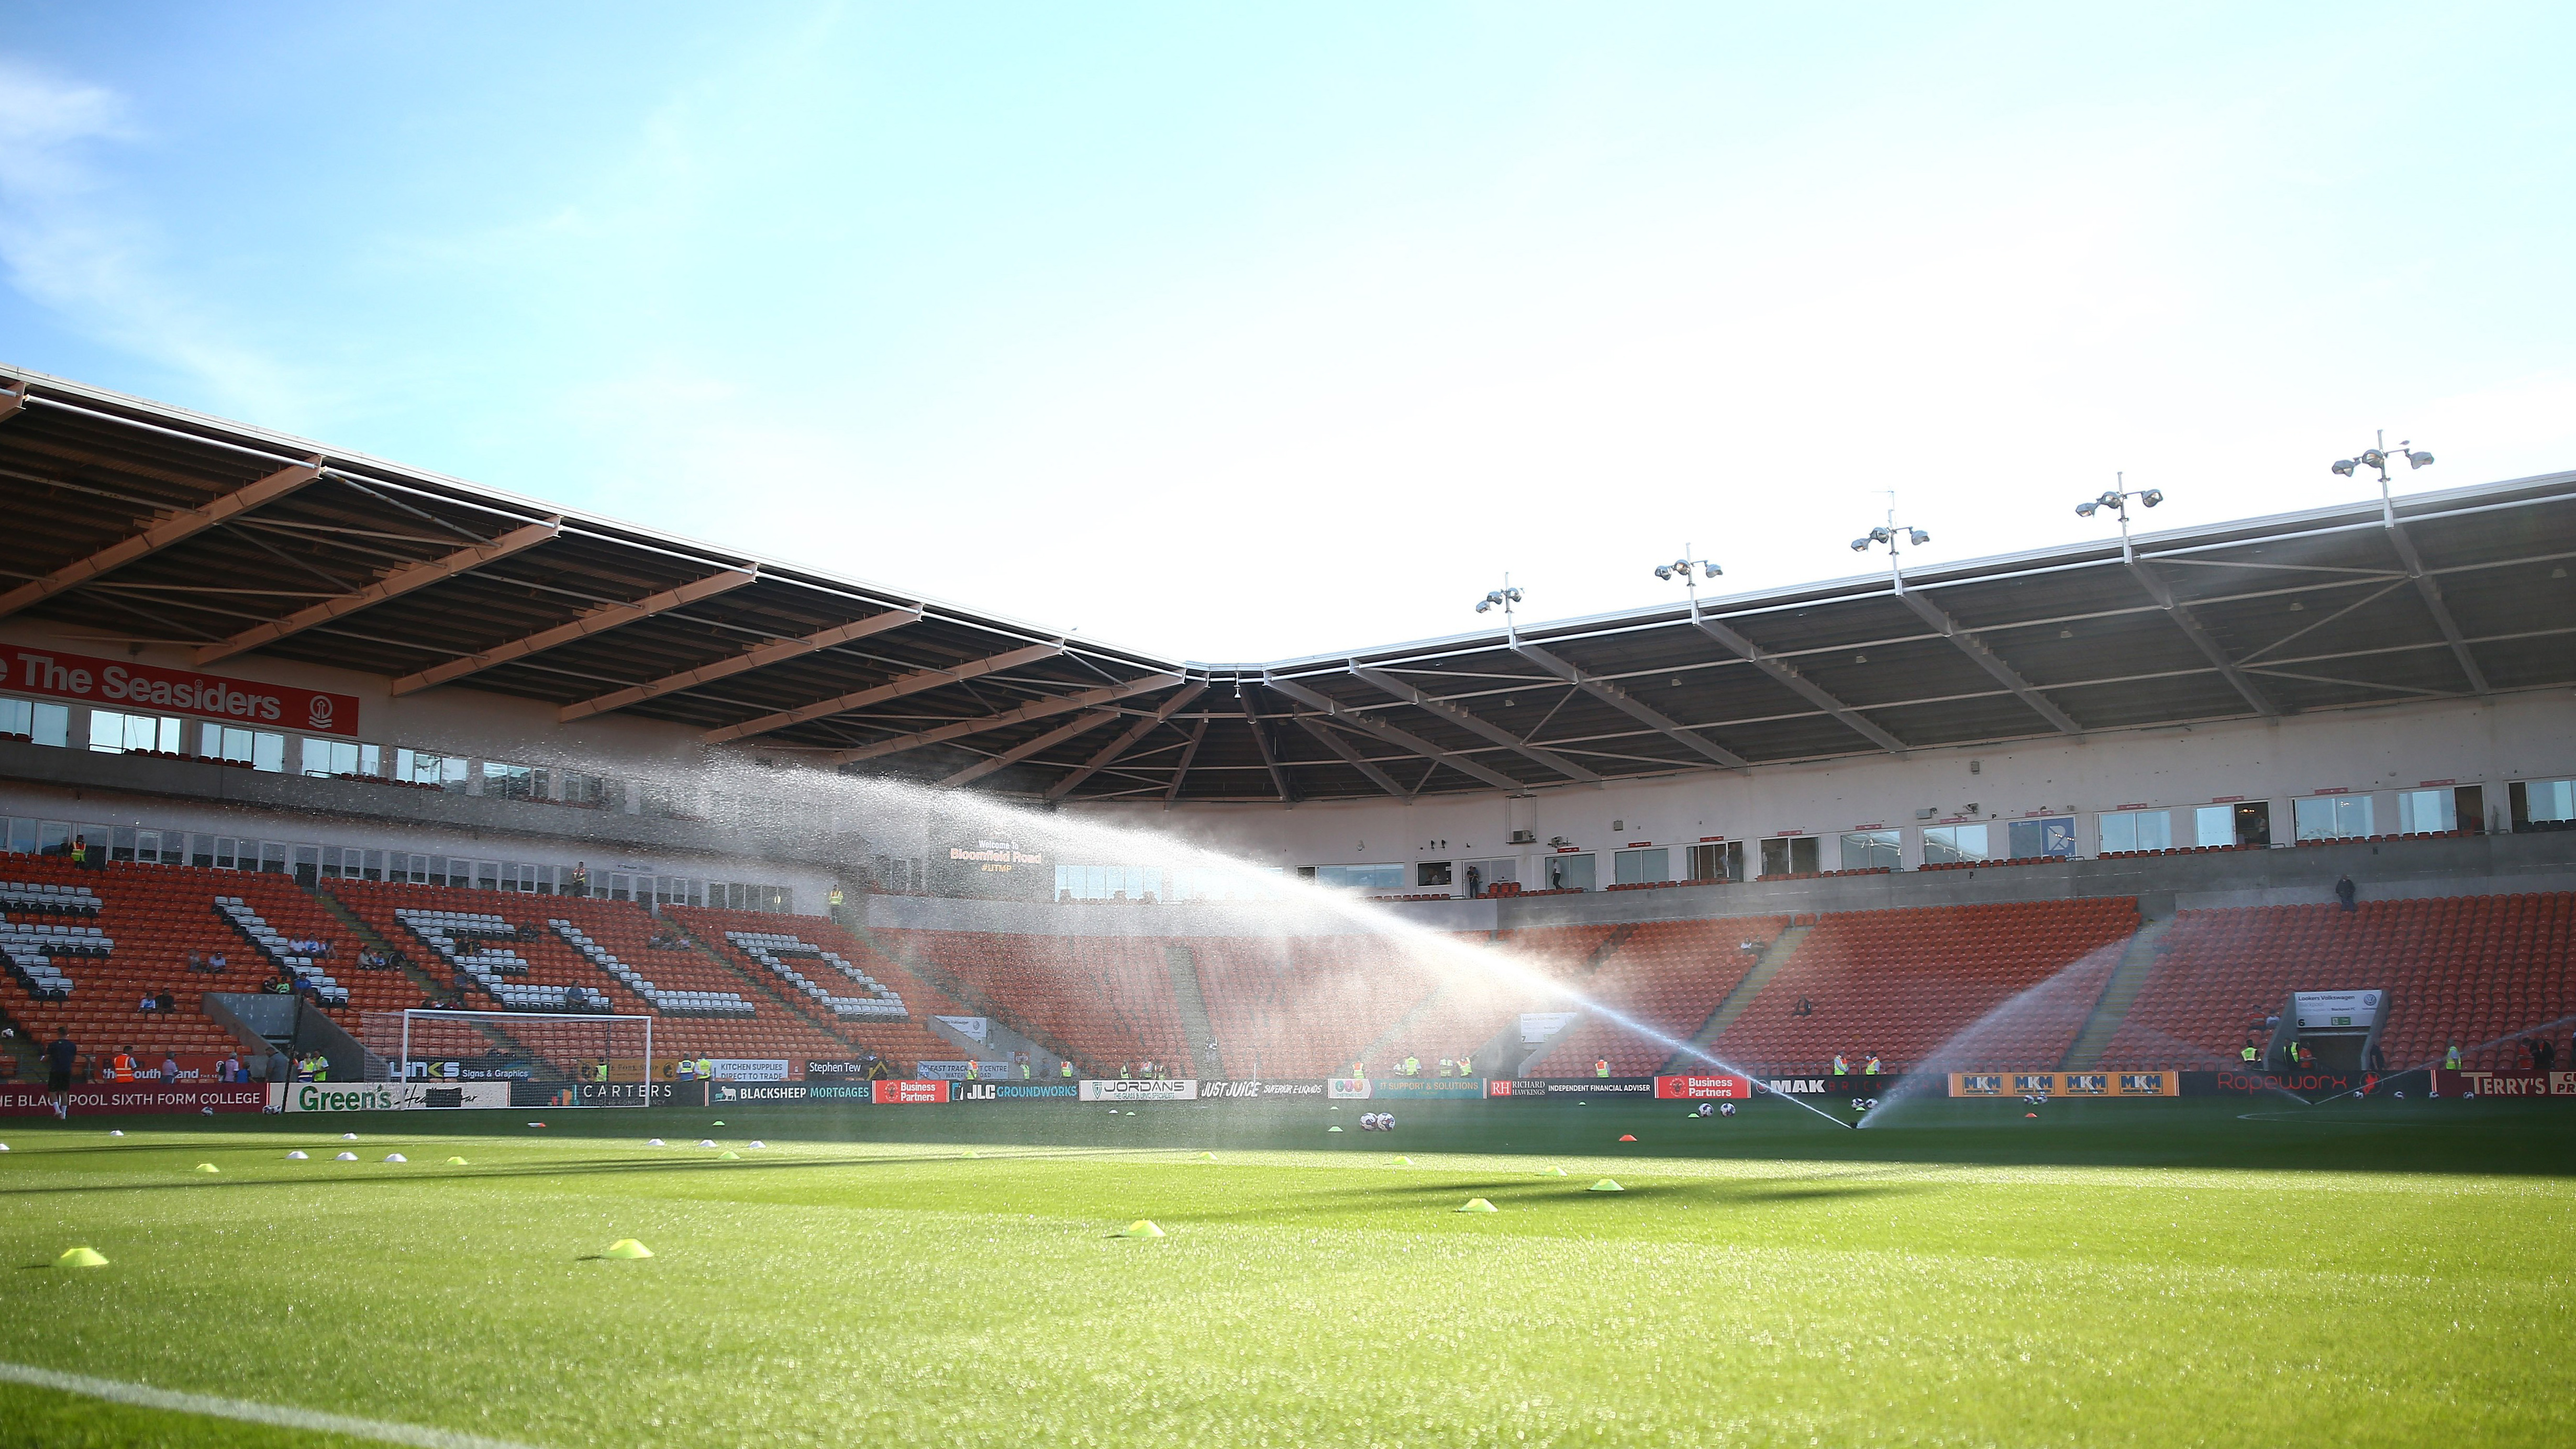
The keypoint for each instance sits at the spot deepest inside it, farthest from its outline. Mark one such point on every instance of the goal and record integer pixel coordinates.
(535, 1046)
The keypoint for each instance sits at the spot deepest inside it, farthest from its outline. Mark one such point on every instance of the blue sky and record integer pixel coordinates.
(1241, 333)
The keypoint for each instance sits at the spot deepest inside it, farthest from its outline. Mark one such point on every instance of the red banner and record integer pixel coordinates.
(2505, 1084)
(907, 1093)
(1695, 1089)
(145, 688)
(19, 1100)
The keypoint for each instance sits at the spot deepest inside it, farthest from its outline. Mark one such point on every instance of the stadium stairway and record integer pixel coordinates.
(1774, 956)
(768, 992)
(1192, 1001)
(374, 940)
(2127, 979)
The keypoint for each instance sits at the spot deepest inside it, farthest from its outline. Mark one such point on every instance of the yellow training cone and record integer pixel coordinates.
(728, 1157)
(208, 1167)
(1332, 1129)
(1404, 1162)
(627, 1248)
(80, 1258)
(1479, 1205)
(1142, 1228)
(1207, 1157)
(1605, 1185)
(1553, 1172)
(456, 1162)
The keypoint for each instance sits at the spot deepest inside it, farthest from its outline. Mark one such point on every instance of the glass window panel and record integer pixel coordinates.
(1873, 850)
(52, 725)
(1633, 867)
(17, 717)
(2032, 839)
(1946, 844)
(1572, 872)
(2214, 825)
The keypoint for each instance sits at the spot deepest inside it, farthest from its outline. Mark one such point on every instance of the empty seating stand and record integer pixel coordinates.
(1902, 983)
(2473, 970)
(900, 1037)
(1107, 999)
(702, 1006)
(120, 933)
(1666, 977)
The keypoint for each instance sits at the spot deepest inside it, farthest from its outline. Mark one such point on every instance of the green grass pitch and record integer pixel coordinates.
(2133, 1273)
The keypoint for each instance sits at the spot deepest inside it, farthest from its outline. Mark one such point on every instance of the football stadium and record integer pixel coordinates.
(524, 979)
(496, 954)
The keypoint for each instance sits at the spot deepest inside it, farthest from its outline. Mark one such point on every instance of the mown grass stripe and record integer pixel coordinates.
(144, 1396)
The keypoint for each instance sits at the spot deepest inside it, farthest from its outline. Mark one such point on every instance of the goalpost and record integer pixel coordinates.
(539, 1046)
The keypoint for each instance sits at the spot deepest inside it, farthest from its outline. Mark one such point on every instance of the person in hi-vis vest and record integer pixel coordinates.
(1601, 1066)
(1065, 1068)
(974, 1070)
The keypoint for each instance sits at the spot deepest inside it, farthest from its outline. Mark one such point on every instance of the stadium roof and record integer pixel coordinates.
(164, 526)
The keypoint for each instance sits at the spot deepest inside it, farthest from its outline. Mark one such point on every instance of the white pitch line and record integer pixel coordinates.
(147, 1397)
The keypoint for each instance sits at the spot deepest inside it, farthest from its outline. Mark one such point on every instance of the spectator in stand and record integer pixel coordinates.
(2344, 893)
(217, 964)
(60, 1056)
(163, 1001)
(1804, 1007)
(148, 1003)
(196, 962)
(578, 884)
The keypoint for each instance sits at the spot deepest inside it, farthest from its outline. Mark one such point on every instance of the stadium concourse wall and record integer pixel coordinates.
(2372, 753)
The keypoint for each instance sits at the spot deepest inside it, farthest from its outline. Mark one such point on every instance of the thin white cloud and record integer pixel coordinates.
(74, 242)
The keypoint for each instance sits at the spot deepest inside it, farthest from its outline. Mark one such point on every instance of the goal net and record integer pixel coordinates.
(510, 1045)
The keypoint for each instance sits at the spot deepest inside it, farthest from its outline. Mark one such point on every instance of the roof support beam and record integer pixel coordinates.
(1127, 740)
(1473, 725)
(173, 529)
(895, 688)
(1034, 709)
(1082, 725)
(2200, 639)
(593, 621)
(11, 400)
(392, 586)
(1260, 727)
(1333, 741)
(1797, 683)
(1396, 737)
(2431, 593)
(1180, 772)
(757, 656)
(1988, 660)
(1631, 706)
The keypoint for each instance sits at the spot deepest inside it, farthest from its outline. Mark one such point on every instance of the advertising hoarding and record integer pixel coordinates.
(1723, 1087)
(909, 1092)
(387, 1096)
(18, 1100)
(124, 684)
(2065, 1084)
(1140, 1089)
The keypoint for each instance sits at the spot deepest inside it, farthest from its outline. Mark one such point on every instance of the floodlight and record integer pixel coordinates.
(2152, 497)
(1663, 571)
(1878, 535)
(1860, 545)
(2343, 467)
(1483, 604)
(2373, 458)
(2419, 459)
(1512, 594)
(1920, 537)
(2085, 508)
(1710, 570)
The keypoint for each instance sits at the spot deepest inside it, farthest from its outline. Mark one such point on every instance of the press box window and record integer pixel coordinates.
(1361, 877)
(2033, 839)
(1572, 872)
(1718, 860)
(1952, 844)
(2245, 823)
(1431, 873)
(1872, 850)
(512, 782)
(2332, 817)
(419, 767)
(1791, 855)
(40, 724)
(1641, 867)
(327, 758)
(2544, 804)
(113, 733)
(2137, 830)
(256, 748)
